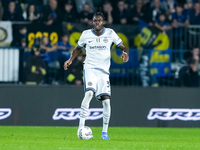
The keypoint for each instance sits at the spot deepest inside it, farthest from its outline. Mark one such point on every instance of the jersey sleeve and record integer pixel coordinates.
(116, 38)
(81, 41)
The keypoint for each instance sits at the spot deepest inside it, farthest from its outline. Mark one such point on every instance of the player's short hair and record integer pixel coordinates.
(99, 14)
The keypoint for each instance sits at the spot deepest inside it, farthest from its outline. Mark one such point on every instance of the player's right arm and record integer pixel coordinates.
(119, 43)
(76, 50)
(74, 54)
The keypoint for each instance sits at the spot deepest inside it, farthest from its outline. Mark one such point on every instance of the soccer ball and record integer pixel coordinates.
(84, 133)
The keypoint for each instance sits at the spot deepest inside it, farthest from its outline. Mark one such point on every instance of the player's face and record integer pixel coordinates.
(98, 23)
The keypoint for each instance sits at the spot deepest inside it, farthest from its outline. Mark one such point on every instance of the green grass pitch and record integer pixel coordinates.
(122, 138)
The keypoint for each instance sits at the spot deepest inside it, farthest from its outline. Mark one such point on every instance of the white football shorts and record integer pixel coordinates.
(98, 81)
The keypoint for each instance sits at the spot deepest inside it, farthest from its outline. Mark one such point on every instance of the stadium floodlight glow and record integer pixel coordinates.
(74, 113)
(174, 113)
(5, 113)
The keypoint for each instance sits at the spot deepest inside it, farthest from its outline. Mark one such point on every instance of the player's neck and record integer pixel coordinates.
(98, 32)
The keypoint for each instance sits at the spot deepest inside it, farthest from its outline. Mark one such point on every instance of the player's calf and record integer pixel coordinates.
(84, 107)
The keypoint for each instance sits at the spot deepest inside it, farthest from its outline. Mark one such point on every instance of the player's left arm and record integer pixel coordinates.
(125, 54)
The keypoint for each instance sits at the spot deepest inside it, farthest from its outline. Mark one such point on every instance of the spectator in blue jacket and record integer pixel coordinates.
(64, 48)
(180, 17)
(162, 24)
(195, 15)
(48, 52)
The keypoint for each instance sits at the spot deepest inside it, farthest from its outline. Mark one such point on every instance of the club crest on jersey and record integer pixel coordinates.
(90, 83)
(105, 40)
(98, 40)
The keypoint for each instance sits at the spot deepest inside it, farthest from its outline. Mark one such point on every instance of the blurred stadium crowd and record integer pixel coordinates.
(173, 12)
(162, 14)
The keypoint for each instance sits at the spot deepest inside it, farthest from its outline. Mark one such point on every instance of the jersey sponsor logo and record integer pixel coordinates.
(74, 113)
(105, 40)
(5, 113)
(172, 114)
(89, 41)
(98, 47)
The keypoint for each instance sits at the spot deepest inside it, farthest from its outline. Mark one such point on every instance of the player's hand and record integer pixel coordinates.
(67, 63)
(125, 56)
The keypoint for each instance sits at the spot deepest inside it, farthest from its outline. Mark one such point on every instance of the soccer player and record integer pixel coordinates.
(97, 42)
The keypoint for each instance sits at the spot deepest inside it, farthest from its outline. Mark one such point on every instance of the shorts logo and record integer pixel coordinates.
(74, 113)
(5, 113)
(105, 40)
(89, 83)
(172, 114)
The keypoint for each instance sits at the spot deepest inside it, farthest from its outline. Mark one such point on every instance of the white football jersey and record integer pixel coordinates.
(98, 48)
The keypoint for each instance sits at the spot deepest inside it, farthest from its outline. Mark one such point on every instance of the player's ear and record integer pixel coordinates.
(104, 22)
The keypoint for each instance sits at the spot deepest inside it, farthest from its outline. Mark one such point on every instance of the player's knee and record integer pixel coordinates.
(89, 94)
(103, 97)
(106, 102)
